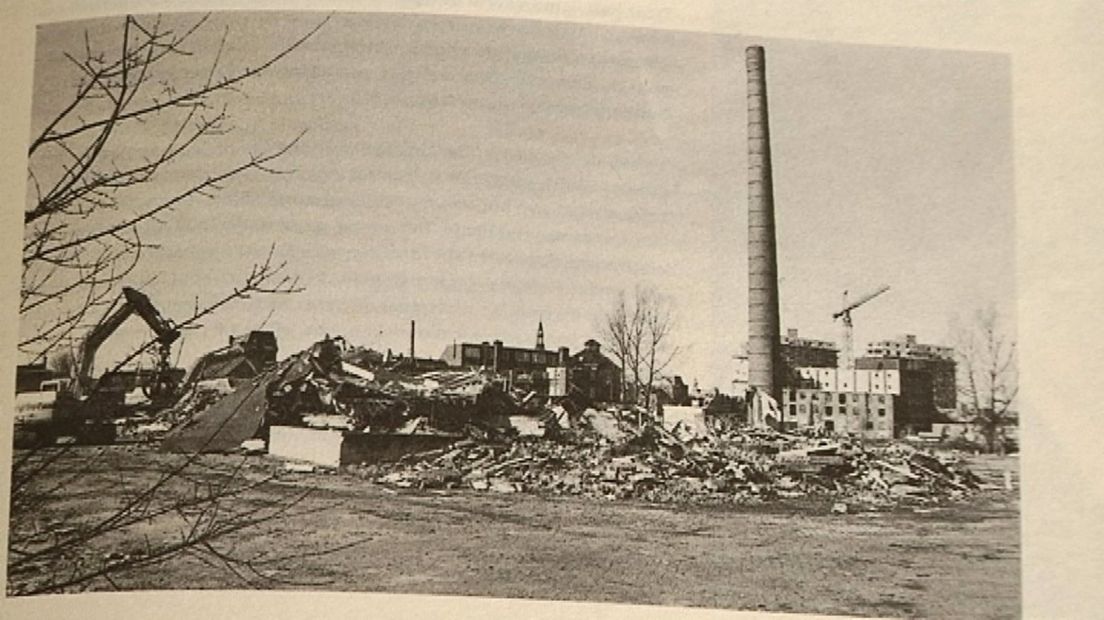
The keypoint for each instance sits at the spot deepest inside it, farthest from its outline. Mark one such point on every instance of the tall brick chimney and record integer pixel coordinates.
(764, 362)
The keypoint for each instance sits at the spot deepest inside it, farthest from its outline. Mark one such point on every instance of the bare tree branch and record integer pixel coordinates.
(83, 236)
(639, 335)
(988, 378)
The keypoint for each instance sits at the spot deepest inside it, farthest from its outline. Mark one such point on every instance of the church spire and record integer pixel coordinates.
(540, 335)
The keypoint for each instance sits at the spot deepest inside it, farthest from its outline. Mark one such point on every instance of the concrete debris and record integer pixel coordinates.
(390, 426)
(606, 424)
(328, 420)
(652, 464)
(253, 446)
(527, 426)
(685, 421)
(319, 388)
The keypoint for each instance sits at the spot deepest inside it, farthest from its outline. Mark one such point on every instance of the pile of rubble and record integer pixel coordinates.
(323, 390)
(521, 442)
(651, 464)
(325, 387)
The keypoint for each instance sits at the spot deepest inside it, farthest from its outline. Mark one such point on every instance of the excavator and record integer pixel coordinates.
(79, 407)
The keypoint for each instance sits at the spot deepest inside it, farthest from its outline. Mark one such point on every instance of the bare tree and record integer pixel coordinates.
(659, 322)
(988, 375)
(82, 237)
(51, 559)
(639, 334)
(618, 330)
(94, 167)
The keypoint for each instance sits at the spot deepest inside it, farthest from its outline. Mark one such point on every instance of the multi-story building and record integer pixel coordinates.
(897, 392)
(919, 396)
(525, 368)
(798, 352)
(860, 402)
(915, 359)
(595, 375)
(521, 367)
(589, 372)
(497, 357)
(865, 414)
(903, 392)
(907, 346)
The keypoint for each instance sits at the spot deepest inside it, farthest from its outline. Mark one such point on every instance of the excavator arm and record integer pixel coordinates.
(134, 302)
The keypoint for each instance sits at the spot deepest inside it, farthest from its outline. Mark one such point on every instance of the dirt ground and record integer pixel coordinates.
(945, 561)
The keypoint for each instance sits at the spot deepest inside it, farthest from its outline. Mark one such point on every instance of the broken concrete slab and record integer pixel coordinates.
(223, 426)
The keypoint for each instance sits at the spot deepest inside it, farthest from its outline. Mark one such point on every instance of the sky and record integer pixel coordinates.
(478, 175)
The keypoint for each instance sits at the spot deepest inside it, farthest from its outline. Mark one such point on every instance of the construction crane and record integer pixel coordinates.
(845, 315)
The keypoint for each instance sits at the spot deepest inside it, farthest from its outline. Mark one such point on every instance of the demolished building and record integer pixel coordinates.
(242, 358)
(458, 428)
(318, 388)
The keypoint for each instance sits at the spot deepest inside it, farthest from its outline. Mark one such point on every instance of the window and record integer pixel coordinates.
(828, 411)
(793, 410)
(843, 399)
(881, 398)
(881, 413)
(802, 395)
(869, 426)
(854, 398)
(523, 356)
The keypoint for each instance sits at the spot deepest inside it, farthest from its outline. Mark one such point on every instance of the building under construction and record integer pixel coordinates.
(797, 383)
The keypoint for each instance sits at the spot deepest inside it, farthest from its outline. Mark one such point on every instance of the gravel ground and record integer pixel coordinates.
(953, 560)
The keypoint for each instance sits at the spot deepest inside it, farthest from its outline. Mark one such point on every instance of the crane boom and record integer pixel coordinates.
(860, 301)
(845, 314)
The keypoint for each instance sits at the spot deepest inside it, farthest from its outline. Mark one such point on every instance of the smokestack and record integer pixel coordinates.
(763, 322)
(411, 340)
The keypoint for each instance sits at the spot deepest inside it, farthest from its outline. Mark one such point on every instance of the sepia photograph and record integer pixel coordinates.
(523, 309)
